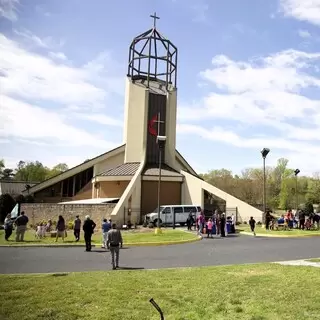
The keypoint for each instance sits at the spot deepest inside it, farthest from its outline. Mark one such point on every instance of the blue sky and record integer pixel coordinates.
(248, 78)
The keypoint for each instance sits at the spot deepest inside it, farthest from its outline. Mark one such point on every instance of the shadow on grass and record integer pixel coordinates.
(60, 274)
(130, 268)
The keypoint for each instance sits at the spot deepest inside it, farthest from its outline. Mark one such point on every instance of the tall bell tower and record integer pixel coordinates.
(151, 98)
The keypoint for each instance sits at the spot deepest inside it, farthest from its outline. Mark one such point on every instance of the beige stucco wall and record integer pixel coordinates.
(108, 163)
(112, 189)
(135, 126)
(171, 125)
(192, 193)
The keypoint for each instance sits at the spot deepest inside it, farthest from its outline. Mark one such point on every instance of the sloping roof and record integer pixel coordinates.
(14, 187)
(91, 201)
(69, 173)
(85, 165)
(166, 171)
(126, 169)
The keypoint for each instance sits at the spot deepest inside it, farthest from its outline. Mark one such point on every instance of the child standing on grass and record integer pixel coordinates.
(252, 224)
(209, 227)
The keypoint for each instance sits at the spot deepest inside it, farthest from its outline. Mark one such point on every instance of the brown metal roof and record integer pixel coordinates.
(126, 169)
(166, 171)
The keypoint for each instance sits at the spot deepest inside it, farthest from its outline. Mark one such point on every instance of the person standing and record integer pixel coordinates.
(190, 220)
(8, 227)
(209, 227)
(106, 226)
(88, 228)
(21, 223)
(223, 225)
(252, 224)
(114, 242)
(77, 228)
(61, 228)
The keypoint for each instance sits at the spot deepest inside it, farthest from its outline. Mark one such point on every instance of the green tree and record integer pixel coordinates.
(31, 171)
(56, 170)
(7, 203)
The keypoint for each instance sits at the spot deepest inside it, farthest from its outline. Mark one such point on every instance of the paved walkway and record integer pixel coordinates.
(207, 252)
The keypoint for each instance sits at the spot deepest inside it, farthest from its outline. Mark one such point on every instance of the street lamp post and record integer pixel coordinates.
(161, 140)
(296, 172)
(264, 153)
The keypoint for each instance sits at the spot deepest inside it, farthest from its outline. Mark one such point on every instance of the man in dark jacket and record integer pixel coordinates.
(77, 228)
(88, 229)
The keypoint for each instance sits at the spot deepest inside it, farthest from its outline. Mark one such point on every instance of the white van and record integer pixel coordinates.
(167, 211)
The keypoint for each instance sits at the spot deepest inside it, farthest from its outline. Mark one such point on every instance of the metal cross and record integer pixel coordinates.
(159, 121)
(154, 16)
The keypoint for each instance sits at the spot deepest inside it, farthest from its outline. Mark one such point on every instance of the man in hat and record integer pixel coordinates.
(114, 242)
(88, 228)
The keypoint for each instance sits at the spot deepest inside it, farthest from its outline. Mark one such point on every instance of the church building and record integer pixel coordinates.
(129, 174)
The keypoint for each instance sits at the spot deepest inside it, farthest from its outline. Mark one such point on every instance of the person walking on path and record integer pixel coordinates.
(77, 228)
(114, 243)
(106, 226)
(61, 228)
(21, 223)
(88, 228)
(252, 224)
(8, 227)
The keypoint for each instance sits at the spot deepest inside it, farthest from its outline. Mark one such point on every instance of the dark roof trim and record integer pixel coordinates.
(89, 163)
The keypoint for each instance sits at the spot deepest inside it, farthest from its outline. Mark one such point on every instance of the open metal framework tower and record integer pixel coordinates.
(152, 57)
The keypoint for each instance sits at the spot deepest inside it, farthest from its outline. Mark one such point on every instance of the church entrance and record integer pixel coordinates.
(170, 194)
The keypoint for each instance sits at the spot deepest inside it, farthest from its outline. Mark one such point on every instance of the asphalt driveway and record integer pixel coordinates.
(207, 252)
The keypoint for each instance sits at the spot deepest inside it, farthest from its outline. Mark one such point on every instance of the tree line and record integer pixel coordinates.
(248, 186)
(282, 187)
(32, 171)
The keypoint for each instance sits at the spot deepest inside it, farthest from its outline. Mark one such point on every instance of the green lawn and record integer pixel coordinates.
(293, 232)
(314, 260)
(132, 236)
(247, 292)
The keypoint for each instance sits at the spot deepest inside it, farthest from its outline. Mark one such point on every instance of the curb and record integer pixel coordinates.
(133, 244)
(278, 235)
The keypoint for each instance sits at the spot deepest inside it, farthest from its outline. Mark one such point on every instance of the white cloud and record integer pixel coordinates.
(8, 9)
(303, 10)
(58, 55)
(31, 76)
(99, 118)
(42, 99)
(266, 96)
(34, 124)
(304, 34)
(32, 38)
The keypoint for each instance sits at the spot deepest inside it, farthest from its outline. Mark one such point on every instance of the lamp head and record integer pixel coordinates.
(296, 172)
(265, 152)
(161, 139)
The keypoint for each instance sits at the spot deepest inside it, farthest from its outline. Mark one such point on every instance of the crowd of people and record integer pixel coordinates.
(216, 224)
(111, 236)
(298, 220)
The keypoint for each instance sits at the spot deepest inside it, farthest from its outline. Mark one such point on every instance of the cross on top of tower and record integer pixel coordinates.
(154, 17)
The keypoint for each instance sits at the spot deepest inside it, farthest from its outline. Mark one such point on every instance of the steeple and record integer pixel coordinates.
(152, 57)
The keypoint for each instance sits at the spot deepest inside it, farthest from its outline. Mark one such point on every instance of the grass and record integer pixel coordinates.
(314, 260)
(292, 232)
(247, 292)
(132, 236)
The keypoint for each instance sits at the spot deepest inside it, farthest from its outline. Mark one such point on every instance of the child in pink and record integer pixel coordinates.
(209, 227)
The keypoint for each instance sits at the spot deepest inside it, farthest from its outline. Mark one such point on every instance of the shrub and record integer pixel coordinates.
(70, 225)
